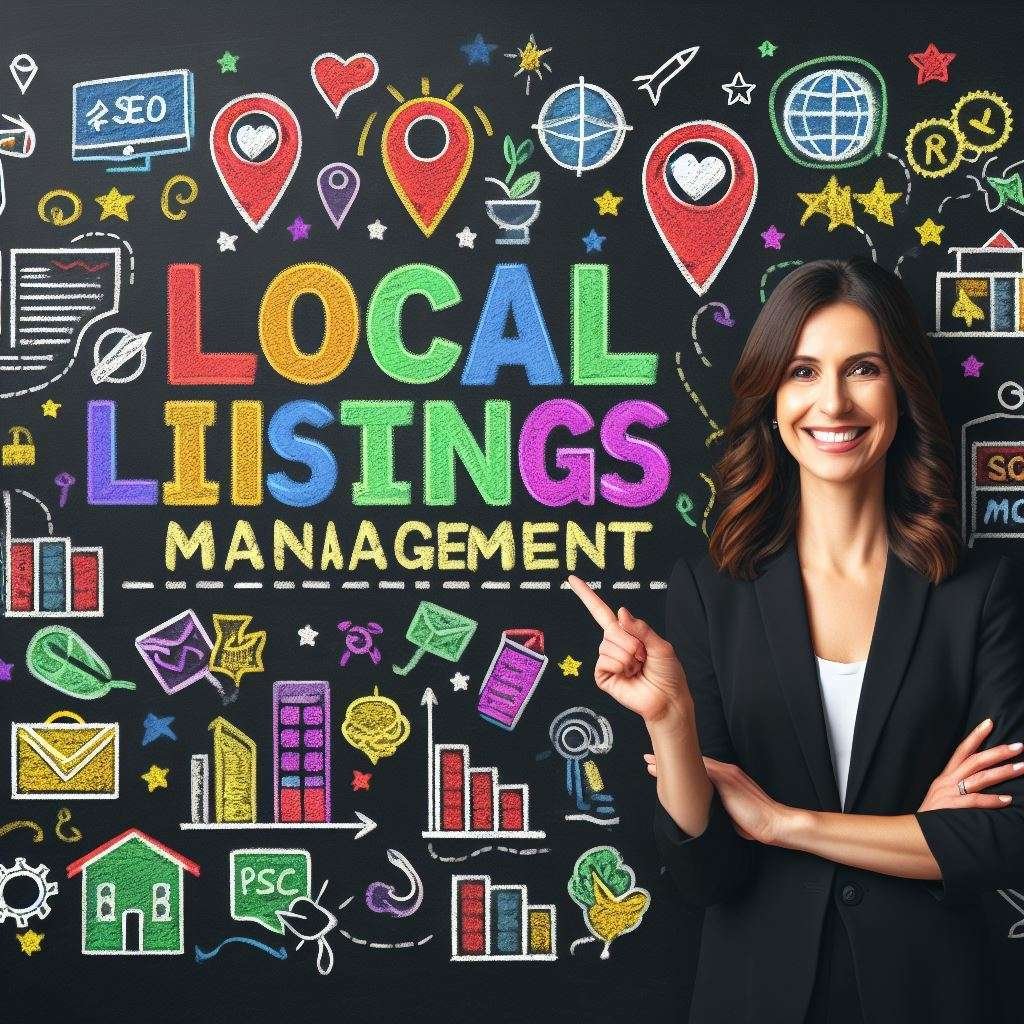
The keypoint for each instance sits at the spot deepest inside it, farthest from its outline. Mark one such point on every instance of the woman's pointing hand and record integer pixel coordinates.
(635, 666)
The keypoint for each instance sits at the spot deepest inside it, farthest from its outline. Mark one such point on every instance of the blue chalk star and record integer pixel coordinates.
(155, 727)
(477, 51)
(594, 241)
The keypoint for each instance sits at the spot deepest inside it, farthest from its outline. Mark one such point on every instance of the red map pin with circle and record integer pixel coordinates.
(427, 185)
(700, 183)
(255, 142)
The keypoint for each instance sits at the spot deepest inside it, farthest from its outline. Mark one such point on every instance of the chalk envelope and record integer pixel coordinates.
(437, 630)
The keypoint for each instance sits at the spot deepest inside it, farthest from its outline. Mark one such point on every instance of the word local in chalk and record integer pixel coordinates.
(552, 473)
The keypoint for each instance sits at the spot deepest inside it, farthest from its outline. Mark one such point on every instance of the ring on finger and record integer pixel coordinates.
(962, 787)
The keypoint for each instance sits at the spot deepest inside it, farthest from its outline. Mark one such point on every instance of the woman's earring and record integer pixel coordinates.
(775, 424)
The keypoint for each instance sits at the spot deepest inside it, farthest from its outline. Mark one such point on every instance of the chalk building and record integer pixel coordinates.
(132, 895)
(984, 295)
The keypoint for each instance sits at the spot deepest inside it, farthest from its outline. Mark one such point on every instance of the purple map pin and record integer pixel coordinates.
(338, 185)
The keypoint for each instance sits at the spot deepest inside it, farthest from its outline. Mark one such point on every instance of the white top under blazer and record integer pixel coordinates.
(840, 694)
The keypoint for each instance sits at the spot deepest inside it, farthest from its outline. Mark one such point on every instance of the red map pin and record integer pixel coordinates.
(255, 142)
(700, 182)
(427, 186)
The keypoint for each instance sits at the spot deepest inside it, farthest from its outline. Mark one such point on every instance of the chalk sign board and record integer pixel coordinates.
(333, 338)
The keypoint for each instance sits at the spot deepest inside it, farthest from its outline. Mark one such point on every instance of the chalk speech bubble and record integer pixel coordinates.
(266, 881)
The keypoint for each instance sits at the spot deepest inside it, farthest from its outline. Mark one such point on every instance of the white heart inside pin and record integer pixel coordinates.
(697, 178)
(252, 140)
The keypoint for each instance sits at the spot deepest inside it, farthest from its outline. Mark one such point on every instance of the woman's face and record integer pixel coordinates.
(836, 405)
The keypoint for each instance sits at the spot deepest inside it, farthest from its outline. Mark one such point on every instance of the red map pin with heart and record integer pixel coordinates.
(337, 78)
(700, 183)
(427, 185)
(255, 142)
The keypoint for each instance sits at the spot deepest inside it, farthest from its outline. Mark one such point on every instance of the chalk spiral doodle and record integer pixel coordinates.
(63, 829)
(52, 212)
(14, 826)
(722, 315)
(185, 198)
(383, 898)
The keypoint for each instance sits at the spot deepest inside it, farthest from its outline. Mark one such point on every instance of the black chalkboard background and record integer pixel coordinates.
(650, 971)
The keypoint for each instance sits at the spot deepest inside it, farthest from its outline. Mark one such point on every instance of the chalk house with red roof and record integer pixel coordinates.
(132, 896)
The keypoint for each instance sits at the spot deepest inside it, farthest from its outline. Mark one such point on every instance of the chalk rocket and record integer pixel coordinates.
(657, 80)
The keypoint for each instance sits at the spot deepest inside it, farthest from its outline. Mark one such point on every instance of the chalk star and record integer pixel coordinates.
(155, 778)
(477, 51)
(6, 671)
(773, 237)
(226, 242)
(570, 666)
(307, 636)
(298, 229)
(114, 204)
(459, 681)
(361, 780)
(155, 726)
(930, 232)
(30, 941)
(833, 201)
(767, 48)
(228, 61)
(50, 408)
(607, 203)
(466, 238)
(878, 202)
(739, 91)
(531, 60)
(1008, 190)
(594, 241)
(377, 229)
(932, 64)
(972, 366)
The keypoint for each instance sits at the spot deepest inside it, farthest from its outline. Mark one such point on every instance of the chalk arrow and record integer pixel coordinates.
(429, 701)
(368, 825)
(362, 827)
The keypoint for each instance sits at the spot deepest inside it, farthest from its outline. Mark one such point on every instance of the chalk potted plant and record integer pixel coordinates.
(517, 212)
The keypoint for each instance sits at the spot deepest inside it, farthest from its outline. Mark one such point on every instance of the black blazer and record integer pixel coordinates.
(942, 658)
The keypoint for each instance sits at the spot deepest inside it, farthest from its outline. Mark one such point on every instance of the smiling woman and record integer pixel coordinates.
(808, 705)
(857, 359)
(833, 400)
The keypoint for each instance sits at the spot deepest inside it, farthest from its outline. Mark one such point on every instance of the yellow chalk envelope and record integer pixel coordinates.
(71, 759)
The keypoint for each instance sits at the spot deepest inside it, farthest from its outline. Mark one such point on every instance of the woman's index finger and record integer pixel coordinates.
(602, 614)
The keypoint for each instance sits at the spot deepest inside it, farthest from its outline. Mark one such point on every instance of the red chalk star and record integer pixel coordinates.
(361, 780)
(932, 65)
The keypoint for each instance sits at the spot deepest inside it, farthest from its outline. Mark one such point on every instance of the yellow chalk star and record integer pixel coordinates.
(531, 56)
(607, 203)
(570, 666)
(878, 202)
(155, 778)
(114, 204)
(833, 201)
(930, 232)
(30, 941)
(50, 408)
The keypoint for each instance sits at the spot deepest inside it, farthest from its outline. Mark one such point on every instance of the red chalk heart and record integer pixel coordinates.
(337, 78)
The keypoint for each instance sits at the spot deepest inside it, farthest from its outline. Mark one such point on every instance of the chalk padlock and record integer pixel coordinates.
(22, 449)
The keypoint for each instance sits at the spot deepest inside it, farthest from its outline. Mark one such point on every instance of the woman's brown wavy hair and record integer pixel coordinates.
(757, 478)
